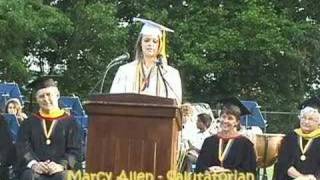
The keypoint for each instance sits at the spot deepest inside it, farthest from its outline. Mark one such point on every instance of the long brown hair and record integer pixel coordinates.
(20, 115)
(16, 104)
(138, 48)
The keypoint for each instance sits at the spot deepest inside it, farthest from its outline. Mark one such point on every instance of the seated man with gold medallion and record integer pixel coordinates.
(299, 156)
(48, 141)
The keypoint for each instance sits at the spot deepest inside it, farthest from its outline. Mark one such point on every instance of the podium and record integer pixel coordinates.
(132, 132)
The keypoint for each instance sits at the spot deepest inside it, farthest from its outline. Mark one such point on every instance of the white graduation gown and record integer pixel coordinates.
(124, 82)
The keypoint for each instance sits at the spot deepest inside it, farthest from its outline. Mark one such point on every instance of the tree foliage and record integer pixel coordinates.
(258, 50)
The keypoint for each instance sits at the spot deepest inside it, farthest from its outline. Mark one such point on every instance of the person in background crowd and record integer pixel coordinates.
(189, 127)
(195, 143)
(13, 106)
(7, 150)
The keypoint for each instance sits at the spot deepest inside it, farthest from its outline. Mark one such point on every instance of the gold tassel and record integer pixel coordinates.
(163, 48)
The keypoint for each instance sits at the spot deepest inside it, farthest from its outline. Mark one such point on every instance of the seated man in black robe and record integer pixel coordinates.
(299, 156)
(228, 151)
(7, 150)
(48, 141)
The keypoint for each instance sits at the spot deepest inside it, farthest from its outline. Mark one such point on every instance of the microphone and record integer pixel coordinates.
(159, 64)
(123, 57)
(116, 61)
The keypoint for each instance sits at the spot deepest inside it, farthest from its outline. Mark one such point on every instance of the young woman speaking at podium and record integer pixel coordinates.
(149, 72)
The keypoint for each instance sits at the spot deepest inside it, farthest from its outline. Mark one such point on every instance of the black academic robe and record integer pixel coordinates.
(7, 149)
(289, 155)
(65, 147)
(241, 156)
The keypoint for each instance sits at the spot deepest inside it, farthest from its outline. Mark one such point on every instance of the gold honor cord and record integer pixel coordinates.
(223, 152)
(305, 148)
(46, 133)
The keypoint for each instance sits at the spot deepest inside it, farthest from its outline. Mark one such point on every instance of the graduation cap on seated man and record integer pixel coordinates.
(313, 102)
(309, 105)
(39, 83)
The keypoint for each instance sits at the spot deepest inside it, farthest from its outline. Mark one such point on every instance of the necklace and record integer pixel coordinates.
(304, 149)
(223, 152)
(146, 77)
(46, 132)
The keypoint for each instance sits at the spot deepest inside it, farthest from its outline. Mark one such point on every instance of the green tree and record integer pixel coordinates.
(12, 46)
(258, 50)
(98, 37)
(245, 48)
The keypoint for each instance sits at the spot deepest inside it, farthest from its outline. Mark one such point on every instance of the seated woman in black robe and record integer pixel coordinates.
(7, 150)
(299, 155)
(228, 151)
(49, 141)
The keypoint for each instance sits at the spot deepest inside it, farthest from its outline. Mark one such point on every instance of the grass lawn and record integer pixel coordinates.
(269, 172)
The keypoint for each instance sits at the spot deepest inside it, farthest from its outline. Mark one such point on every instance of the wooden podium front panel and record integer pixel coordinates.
(131, 143)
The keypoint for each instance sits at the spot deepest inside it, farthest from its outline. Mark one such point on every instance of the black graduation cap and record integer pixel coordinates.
(236, 102)
(313, 102)
(43, 82)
